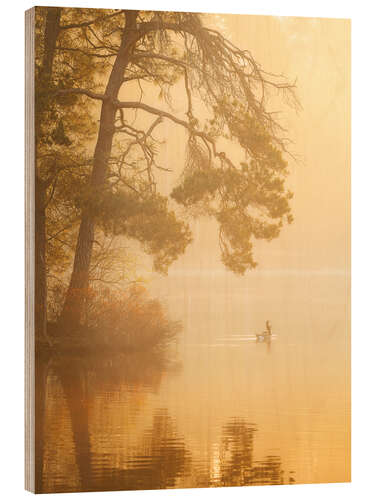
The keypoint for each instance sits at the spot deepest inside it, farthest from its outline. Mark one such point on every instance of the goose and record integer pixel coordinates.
(266, 334)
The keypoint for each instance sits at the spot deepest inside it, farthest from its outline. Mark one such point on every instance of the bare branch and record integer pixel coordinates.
(89, 23)
(183, 123)
(88, 93)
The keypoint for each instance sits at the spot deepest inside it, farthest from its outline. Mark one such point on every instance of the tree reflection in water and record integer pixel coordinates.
(237, 464)
(74, 381)
(158, 458)
(163, 461)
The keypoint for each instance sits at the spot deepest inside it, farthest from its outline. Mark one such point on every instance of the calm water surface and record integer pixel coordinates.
(225, 410)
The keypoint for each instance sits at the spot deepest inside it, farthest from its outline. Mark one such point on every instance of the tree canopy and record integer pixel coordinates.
(102, 172)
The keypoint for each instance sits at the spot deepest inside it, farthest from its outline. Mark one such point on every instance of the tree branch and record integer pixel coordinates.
(88, 93)
(88, 23)
(164, 114)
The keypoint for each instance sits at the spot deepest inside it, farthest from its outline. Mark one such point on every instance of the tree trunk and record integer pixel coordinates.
(43, 79)
(71, 313)
(50, 37)
(40, 262)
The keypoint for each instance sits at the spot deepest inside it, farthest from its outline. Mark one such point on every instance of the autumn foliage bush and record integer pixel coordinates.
(126, 320)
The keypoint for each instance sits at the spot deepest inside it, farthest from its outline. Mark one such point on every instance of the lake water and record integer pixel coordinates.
(226, 410)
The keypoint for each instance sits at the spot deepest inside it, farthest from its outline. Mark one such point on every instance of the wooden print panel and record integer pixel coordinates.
(189, 284)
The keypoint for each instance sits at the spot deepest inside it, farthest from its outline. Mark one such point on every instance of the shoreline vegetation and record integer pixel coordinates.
(115, 322)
